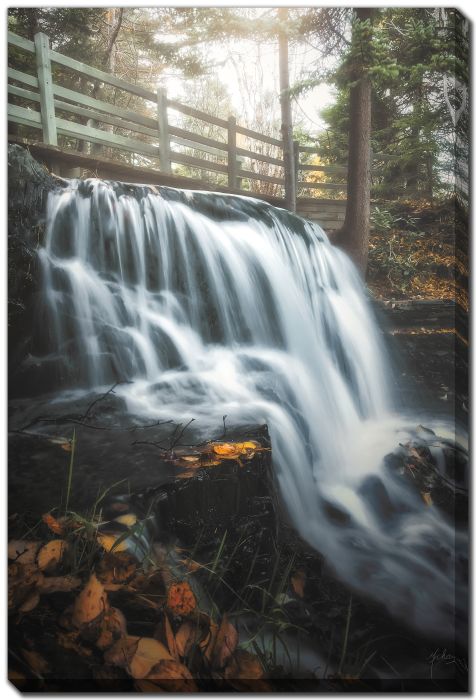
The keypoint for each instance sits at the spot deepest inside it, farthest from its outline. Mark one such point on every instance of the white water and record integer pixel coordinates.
(238, 314)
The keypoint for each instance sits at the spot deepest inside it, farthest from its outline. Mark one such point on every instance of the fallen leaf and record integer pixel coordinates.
(165, 634)
(23, 581)
(113, 627)
(59, 584)
(210, 463)
(188, 634)
(149, 652)
(188, 474)
(226, 643)
(181, 599)
(30, 603)
(427, 499)
(298, 581)
(172, 676)
(70, 640)
(35, 661)
(51, 554)
(192, 459)
(191, 565)
(243, 666)
(129, 519)
(122, 652)
(108, 542)
(207, 645)
(90, 603)
(54, 525)
(225, 449)
(116, 568)
(23, 551)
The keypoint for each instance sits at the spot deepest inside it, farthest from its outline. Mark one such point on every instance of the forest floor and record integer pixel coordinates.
(418, 250)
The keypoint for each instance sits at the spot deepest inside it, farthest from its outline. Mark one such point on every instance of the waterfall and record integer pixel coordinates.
(214, 305)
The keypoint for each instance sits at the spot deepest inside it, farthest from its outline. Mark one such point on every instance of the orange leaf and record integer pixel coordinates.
(181, 599)
(54, 524)
(298, 581)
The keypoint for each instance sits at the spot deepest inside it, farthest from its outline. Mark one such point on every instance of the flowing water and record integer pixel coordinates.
(214, 305)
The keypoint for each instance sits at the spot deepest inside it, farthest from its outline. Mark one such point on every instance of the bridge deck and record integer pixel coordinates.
(329, 213)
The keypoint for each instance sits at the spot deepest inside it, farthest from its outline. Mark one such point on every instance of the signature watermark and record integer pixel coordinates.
(443, 656)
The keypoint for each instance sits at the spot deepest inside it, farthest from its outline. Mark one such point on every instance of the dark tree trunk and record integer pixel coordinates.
(353, 237)
(286, 115)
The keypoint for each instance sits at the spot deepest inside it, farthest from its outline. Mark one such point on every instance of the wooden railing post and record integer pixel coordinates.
(296, 165)
(45, 84)
(239, 165)
(232, 162)
(164, 136)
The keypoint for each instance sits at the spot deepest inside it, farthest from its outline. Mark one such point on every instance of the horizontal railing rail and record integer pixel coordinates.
(247, 158)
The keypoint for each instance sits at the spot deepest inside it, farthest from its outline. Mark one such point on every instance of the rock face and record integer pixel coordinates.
(28, 187)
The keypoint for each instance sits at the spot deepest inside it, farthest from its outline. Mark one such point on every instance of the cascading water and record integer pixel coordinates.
(216, 305)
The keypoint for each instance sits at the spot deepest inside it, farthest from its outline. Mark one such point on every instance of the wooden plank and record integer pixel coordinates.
(219, 153)
(324, 168)
(25, 94)
(197, 162)
(20, 77)
(191, 139)
(20, 42)
(163, 124)
(196, 113)
(118, 170)
(102, 76)
(232, 153)
(26, 117)
(104, 138)
(322, 185)
(82, 112)
(259, 137)
(257, 176)
(106, 107)
(45, 85)
(259, 156)
(106, 118)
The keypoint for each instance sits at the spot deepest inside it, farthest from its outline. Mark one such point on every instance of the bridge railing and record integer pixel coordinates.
(148, 132)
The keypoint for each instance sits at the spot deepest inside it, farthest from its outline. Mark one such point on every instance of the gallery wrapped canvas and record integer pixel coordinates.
(238, 349)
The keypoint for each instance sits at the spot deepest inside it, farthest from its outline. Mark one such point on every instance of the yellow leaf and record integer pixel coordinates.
(427, 498)
(225, 449)
(149, 652)
(90, 603)
(51, 554)
(107, 542)
(129, 519)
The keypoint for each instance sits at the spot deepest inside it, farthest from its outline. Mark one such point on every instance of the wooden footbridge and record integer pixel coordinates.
(104, 126)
